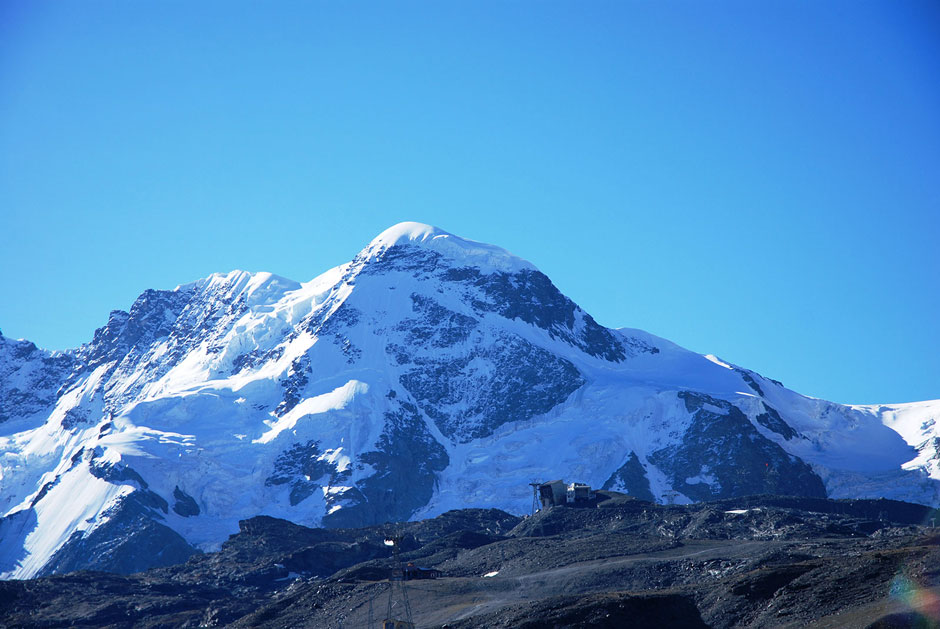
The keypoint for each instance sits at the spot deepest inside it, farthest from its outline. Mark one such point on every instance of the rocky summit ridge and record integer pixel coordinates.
(427, 374)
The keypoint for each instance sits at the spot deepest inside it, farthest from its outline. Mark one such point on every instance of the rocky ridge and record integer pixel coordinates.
(759, 561)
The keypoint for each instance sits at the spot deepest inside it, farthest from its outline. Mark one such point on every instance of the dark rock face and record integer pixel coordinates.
(333, 325)
(152, 316)
(303, 468)
(434, 326)
(483, 382)
(418, 261)
(297, 378)
(406, 460)
(254, 358)
(771, 420)
(527, 295)
(14, 529)
(477, 386)
(530, 296)
(182, 318)
(744, 462)
(631, 478)
(120, 473)
(748, 377)
(470, 395)
(116, 473)
(75, 417)
(184, 504)
(130, 541)
(30, 378)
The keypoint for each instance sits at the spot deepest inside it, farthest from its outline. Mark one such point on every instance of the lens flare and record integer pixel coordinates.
(917, 598)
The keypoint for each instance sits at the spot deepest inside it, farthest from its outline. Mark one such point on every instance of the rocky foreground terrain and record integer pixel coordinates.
(761, 561)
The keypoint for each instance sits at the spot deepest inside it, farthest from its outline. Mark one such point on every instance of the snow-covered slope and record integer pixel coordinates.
(429, 373)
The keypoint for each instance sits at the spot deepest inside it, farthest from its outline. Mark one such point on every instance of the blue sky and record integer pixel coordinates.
(756, 180)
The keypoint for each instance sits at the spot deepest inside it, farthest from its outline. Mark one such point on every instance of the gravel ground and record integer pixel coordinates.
(755, 562)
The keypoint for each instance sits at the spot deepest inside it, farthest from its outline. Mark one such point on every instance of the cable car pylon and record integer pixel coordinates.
(397, 579)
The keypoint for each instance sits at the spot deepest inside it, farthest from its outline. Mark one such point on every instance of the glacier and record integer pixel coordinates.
(429, 373)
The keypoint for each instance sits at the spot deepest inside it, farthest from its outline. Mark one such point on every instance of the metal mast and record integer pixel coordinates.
(398, 578)
(535, 496)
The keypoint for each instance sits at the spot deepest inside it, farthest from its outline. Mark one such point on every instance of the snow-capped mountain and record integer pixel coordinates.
(429, 373)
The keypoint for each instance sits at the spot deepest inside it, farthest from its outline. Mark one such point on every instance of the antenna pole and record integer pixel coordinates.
(535, 496)
(398, 575)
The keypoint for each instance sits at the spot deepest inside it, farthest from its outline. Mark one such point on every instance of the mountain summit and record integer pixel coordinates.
(429, 373)
(487, 258)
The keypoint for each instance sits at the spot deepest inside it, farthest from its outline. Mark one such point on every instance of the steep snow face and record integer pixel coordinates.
(917, 424)
(429, 373)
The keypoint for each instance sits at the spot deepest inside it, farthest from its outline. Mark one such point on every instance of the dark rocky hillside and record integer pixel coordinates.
(762, 561)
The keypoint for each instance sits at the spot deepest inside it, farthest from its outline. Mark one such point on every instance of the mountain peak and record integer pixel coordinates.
(489, 258)
(430, 373)
(408, 232)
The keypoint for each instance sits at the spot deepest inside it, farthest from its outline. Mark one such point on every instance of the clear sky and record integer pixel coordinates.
(757, 180)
